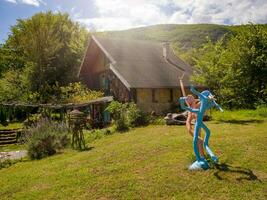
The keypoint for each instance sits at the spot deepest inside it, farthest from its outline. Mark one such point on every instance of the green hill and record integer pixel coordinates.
(186, 36)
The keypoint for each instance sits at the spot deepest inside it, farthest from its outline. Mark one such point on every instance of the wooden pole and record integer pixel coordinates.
(182, 85)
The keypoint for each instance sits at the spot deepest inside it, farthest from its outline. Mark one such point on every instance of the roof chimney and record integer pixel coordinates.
(166, 49)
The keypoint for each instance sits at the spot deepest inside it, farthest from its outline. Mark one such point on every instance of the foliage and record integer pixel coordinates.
(119, 114)
(45, 50)
(5, 163)
(14, 85)
(135, 116)
(78, 93)
(15, 125)
(236, 71)
(188, 36)
(127, 115)
(46, 138)
(157, 120)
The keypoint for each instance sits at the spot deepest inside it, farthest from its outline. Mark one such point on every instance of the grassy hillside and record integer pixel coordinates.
(185, 36)
(148, 163)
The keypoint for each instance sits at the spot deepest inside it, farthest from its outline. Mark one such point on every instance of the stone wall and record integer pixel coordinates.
(118, 90)
(163, 101)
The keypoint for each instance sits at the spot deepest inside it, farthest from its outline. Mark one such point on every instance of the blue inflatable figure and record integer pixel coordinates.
(207, 101)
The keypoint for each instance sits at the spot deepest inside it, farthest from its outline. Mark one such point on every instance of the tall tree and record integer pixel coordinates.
(237, 70)
(52, 45)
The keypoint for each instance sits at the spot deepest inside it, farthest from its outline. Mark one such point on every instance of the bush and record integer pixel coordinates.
(127, 115)
(118, 112)
(262, 110)
(135, 116)
(46, 138)
(78, 93)
(5, 163)
(157, 120)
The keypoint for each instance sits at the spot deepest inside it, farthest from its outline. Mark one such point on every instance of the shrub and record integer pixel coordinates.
(118, 112)
(135, 116)
(78, 93)
(127, 115)
(157, 120)
(262, 110)
(46, 138)
(5, 163)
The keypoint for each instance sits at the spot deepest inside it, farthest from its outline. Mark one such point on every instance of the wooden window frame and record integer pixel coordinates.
(154, 100)
(171, 96)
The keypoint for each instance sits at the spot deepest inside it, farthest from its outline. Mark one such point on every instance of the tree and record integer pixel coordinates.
(236, 71)
(14, 86)
(52, 45)
(10, 59)
(247, 54)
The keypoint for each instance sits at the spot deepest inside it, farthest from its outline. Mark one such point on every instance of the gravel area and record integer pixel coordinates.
(13, 155)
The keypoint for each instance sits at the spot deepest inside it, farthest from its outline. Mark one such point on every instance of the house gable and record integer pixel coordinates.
(142, 64)
(134, 70)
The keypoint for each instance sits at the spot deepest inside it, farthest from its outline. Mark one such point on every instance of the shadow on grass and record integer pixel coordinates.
(245, 174)
(242, 122)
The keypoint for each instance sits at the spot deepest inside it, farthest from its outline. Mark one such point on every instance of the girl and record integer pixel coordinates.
(191, 102)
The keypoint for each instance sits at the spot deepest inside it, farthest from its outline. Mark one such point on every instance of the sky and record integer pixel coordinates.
(102, 15)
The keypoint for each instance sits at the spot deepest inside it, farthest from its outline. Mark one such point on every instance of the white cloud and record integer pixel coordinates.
(31, 2)
(36, 3)
(221, 12)
(107, 23)
(11, 1)
(121, 14)
(124, 14)
(75, 12)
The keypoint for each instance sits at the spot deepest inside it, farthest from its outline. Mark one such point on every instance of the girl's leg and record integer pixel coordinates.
(200, 146)
(190, 130)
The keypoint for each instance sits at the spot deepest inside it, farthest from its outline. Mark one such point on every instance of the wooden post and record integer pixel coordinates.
(182, 85)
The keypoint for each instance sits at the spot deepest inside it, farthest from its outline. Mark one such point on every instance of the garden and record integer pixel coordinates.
(61, 140)
(146, 162)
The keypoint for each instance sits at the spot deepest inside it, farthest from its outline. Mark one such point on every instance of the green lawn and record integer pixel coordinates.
(12, 147)
(148, 163)
(15, 125)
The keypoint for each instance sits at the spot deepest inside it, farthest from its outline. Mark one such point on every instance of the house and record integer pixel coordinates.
(131, 70)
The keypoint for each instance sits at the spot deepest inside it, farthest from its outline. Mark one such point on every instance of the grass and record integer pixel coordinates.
(241, 116)
(12, 147)
(12, 125)
(186, 36)
(148, 163)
